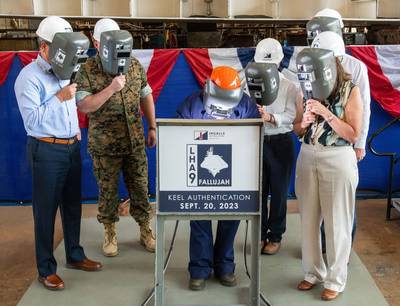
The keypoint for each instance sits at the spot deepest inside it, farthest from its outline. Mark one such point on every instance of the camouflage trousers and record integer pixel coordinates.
(107, 170)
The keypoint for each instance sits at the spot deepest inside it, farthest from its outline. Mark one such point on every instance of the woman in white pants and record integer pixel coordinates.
(326, 181)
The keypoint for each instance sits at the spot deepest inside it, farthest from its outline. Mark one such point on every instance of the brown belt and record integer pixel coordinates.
(64, 141)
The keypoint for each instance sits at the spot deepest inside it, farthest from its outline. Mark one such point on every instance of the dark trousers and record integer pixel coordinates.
(206, 255)
(56, 178)
(278, 159)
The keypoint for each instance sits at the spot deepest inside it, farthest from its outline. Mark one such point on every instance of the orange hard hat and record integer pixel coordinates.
(225, 77)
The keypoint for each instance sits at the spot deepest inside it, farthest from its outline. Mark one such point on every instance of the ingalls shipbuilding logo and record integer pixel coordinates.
(200, 135)
(209, 165)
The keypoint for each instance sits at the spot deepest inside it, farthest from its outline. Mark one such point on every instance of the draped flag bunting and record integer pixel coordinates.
(199, 61)
(383, 63)
(202, 61)
(27, 57)
(6, 59)
(175, 74)
(158, 65)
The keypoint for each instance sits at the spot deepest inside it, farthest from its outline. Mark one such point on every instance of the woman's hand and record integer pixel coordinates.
(317, 108)
(307, 119)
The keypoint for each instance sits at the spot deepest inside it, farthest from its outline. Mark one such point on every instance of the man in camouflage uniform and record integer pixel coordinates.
(116, 139)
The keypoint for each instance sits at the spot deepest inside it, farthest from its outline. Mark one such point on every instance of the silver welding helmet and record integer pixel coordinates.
(263, 82)
(317, 72)
(218, 102)
(67, 52)
(321, 24)
(115, 51)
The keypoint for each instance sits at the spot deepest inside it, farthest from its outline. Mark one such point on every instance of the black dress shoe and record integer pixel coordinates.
(197, 284)
(228, 279)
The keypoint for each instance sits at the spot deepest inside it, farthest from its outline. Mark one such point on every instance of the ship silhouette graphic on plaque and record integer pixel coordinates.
(209, 165)
(213, 163)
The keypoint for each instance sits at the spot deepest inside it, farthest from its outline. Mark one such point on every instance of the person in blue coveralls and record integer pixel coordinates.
(221, 98)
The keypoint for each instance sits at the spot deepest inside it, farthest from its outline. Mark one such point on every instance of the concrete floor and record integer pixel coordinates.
(127, 278)
(377, 244)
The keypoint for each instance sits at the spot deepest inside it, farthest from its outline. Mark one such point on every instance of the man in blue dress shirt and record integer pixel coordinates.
(48, 109)
(222, 98)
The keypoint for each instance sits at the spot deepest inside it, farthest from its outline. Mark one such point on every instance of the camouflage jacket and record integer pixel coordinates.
(116, 128)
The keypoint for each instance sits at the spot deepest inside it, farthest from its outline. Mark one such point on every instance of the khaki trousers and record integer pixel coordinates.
(326, 182)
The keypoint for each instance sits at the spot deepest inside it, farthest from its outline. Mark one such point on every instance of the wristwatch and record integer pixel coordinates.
(152, 128)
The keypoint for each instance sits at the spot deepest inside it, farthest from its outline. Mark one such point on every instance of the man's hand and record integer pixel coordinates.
(360, 154)
(264, 114)
(118, 83)
(93, 102)
(66, 93)
(151, 138)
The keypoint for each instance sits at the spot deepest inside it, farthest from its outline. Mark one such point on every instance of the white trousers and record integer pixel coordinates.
(326, 182)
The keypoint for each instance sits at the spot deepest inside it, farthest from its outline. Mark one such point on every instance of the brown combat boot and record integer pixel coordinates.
(147, 238)
(110, 246)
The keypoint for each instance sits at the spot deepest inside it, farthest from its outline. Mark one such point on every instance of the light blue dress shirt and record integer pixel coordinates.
(42, 112)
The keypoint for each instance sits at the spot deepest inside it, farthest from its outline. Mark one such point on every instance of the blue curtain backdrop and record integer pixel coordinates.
(15, 179)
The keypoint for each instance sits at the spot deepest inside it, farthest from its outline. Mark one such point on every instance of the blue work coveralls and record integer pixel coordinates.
(206, 256)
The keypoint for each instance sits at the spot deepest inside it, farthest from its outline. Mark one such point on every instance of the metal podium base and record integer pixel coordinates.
(254, 296)
(207, 305)
(186, 193)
